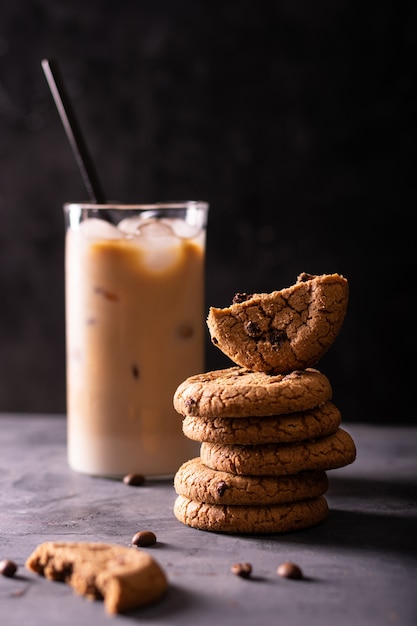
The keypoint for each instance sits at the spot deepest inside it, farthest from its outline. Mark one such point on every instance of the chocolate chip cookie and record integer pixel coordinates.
(238, 392)
(326, 453)
(196, 481)
(277, 518)
(317, 422)
(284, 330)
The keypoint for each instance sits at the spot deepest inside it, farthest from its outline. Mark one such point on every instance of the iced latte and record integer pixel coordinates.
(135, 330)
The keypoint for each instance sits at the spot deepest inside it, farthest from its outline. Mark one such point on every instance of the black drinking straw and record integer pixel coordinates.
(73, 131)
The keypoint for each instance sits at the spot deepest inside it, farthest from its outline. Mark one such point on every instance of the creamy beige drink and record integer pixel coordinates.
(135, 330)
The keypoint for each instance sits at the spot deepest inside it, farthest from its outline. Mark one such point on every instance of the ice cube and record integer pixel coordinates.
(160, 258)
(134, 225)
(95, 228)
(181, 228)
(131, 225)
(160, 247)
(155, 231)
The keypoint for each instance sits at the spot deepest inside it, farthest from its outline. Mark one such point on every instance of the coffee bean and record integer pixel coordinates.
(134, 480)
(289, 570)
(243, 570)
(144, 538)
(8, 568)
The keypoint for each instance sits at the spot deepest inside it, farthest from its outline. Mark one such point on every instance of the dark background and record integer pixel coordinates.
(294, 119)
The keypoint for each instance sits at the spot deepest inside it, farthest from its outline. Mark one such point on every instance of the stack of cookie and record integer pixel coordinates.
(268, 428)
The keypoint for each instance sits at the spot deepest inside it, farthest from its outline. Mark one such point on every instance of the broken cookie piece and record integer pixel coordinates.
(125, 578)
(285, 330)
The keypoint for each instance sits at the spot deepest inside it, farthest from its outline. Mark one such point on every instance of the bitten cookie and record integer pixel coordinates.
(316, 422)
(202, 484)
(329, 452)
(284, 330)
(278, 518)
(237, 392)
(125, 578)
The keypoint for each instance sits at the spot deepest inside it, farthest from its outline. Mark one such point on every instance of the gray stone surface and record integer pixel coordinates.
(359, 566)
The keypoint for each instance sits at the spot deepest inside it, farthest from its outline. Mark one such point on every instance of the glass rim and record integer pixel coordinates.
(186, 204)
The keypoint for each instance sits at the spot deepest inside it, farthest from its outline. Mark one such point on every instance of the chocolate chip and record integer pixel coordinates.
(134, 480)
(304, 277)
(244, 570)
(221, 488)
(241, 297)
(190, 405)
(135, 371)
(289, 570)
(144, 538)
(8, 568)
(253, 329)
(277, 337)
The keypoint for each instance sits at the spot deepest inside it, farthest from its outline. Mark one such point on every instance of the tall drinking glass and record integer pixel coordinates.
(134, 331)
